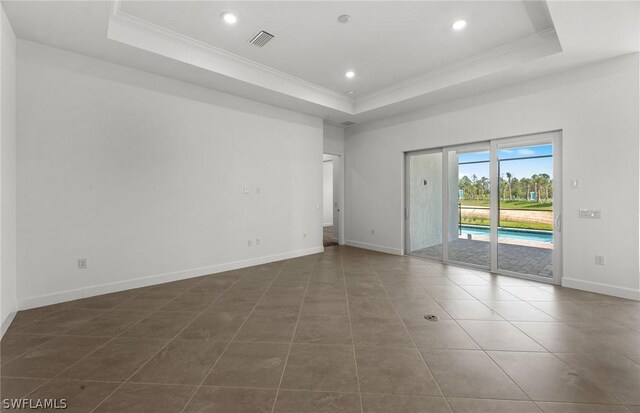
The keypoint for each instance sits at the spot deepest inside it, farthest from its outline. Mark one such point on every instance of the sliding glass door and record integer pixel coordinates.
(527, 205)
(468, 208)
(493, 205)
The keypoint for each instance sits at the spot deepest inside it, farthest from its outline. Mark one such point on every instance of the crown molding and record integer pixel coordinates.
(252, 72)
(137, 32)
(509, 56)
(502, 50)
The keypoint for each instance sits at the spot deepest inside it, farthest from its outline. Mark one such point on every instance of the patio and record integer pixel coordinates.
(526, 259)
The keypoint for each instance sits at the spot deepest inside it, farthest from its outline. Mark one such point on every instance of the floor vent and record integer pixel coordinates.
(261, 38)
(348, 123)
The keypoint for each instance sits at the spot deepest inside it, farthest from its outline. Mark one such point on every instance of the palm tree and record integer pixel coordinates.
(537, 184)
(526, 183)
(545, 181)
(474, 187)
(509, 186)
(516, 188)
(484, 182)
(465, 185)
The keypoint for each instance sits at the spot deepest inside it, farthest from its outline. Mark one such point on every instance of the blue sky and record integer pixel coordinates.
(518, 168)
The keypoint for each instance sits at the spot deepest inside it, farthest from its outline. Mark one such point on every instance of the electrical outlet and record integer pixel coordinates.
(245, 190)
(600, 259)
(373, 231)
(258, 190)
(249, 243)
(257, 241)
(82, 263)
(590, 213)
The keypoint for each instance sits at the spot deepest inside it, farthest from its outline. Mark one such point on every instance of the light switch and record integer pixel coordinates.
(245, 190)
(575, 184)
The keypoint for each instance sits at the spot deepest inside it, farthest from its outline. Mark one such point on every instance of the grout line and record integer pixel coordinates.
(161, 348)
(233, 337)
(30, 349)
(628, 357)
(412, 339)
(483, 350)
(53, 336)
(295, 328)
(353, 340)
(537, 403)
(324, 391)
(523, 351)
(65, 306)
(367, 261)
(585, 403)
(605, 391)
(526, 351)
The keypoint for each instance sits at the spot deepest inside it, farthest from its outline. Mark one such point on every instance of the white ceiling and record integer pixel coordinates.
(385, 42)
(405, 54)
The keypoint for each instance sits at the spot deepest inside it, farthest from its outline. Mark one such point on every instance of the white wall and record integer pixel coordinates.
(596, 107)
(8, 305)
(327, 193)
(144, 177)
(333, 140)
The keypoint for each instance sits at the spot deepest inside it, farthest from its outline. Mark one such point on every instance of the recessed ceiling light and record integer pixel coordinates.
(350, 74)
(229, 18)
(459, 24)
(344, 19)
(351, 93)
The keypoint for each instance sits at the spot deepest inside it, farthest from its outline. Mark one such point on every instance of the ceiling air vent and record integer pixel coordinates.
(261, 38)
(348, 123)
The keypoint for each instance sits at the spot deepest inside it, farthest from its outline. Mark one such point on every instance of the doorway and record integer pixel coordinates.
(492, 205)
(331, 196)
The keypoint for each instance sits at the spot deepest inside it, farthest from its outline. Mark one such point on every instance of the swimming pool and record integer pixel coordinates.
(519, 234)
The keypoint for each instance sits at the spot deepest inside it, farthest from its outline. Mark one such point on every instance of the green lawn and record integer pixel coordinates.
(531, 206)
(473, 220)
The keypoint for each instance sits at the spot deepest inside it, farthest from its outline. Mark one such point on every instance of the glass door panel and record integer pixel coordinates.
(525, 237)
(493, 205)
(424, 203)
(468, 206)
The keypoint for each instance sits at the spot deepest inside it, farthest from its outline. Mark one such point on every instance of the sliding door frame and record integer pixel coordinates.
(471, 147)
(407, 195)
(553, 137)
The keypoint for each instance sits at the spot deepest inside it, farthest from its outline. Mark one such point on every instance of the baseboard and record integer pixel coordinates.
(375, 247)
(6, 323)
(69, 295)
(600, 288)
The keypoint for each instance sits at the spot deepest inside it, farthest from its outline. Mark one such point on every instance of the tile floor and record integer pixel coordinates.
(343, 331)
(327, 237)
